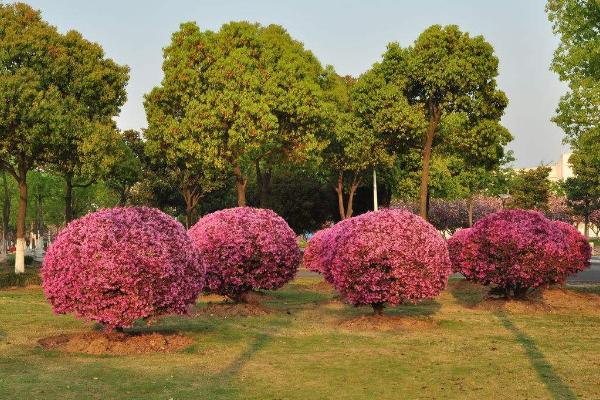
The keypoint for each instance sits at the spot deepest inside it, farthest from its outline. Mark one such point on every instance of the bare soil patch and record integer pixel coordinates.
(116, 343)
(226, 310)
(387, 323)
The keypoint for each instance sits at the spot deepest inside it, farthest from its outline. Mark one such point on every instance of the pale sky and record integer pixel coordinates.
(350, 35)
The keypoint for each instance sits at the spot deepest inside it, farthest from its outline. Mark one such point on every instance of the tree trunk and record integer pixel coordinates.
(191, 199)
(242, 297)
(470, 210)
(263, 185)
(586, 225)
(349, 206)
(375, 202)
(434, 119)
(240, 183)
(20, 246)
(340, 193)
(378, 308)
(123, 194)
(6, 206)
(69, 198)
(427, 204)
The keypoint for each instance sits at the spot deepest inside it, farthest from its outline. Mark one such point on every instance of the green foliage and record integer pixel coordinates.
(439, 92)
(305, 200)
(577, 61)
(10, 279)
(530, 189)
(231, 98)
(10, 259)
(32, 112)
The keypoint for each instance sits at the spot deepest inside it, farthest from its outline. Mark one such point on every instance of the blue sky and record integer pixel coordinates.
(350, 35)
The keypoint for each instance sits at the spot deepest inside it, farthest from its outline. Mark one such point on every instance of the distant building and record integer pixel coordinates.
(560, 170)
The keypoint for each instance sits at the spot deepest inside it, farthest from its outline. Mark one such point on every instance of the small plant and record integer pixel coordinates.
(518, 250)
(118, 265)
(245, 249)
(386, 257)
(10, 279)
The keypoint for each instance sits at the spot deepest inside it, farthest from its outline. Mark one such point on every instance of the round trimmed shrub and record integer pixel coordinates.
(455, 247)
(580, 250)
(517, 250)
(388, 257)
(313, 253)
(245, 249)
(118, 265)
(320, 249)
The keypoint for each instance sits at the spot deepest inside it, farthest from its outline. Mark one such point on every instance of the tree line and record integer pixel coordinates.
(246, 115)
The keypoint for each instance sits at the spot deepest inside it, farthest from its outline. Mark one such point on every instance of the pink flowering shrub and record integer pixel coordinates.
(245, 248)
(387, 257)
(579, 248)
(313, 253)
(516, 250)
(455, 247)
(320, 249)
(118, 265)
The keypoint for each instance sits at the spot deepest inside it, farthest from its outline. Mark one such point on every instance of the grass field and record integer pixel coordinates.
(308, 348)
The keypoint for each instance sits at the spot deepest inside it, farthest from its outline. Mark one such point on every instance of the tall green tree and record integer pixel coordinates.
(445, 72)
(242, 98)
(577, 61)
(583, 190)
(481, 147)
(127, 169)
(530, 189)
(32, 110)
(93, 86)
(52, 88)
(354, 148)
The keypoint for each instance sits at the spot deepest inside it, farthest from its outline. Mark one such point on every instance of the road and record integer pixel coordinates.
(590, 275)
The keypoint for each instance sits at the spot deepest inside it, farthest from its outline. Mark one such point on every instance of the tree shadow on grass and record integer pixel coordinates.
(422, 309)
(553, 382)
(467, 293)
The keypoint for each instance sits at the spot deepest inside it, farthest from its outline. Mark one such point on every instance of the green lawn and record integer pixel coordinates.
(301, 351)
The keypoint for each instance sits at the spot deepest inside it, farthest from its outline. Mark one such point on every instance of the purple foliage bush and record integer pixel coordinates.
(245, 249)
(580, 250)
(386, 257)
(313, 253)
(320, 249)
(516, 250)
(118, 265)
(455, 247)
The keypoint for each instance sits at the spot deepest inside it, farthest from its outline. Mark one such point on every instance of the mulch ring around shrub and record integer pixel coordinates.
(549, 301)
(221, 306)
(383, 323)
(116, 343)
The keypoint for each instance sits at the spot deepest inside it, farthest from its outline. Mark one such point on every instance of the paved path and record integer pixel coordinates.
(590, 275)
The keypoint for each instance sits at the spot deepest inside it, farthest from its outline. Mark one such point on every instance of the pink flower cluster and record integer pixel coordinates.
(390, 256)
(455, 246)
(245, 248)
(578, 247)
(118, 265)
(518, 250)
